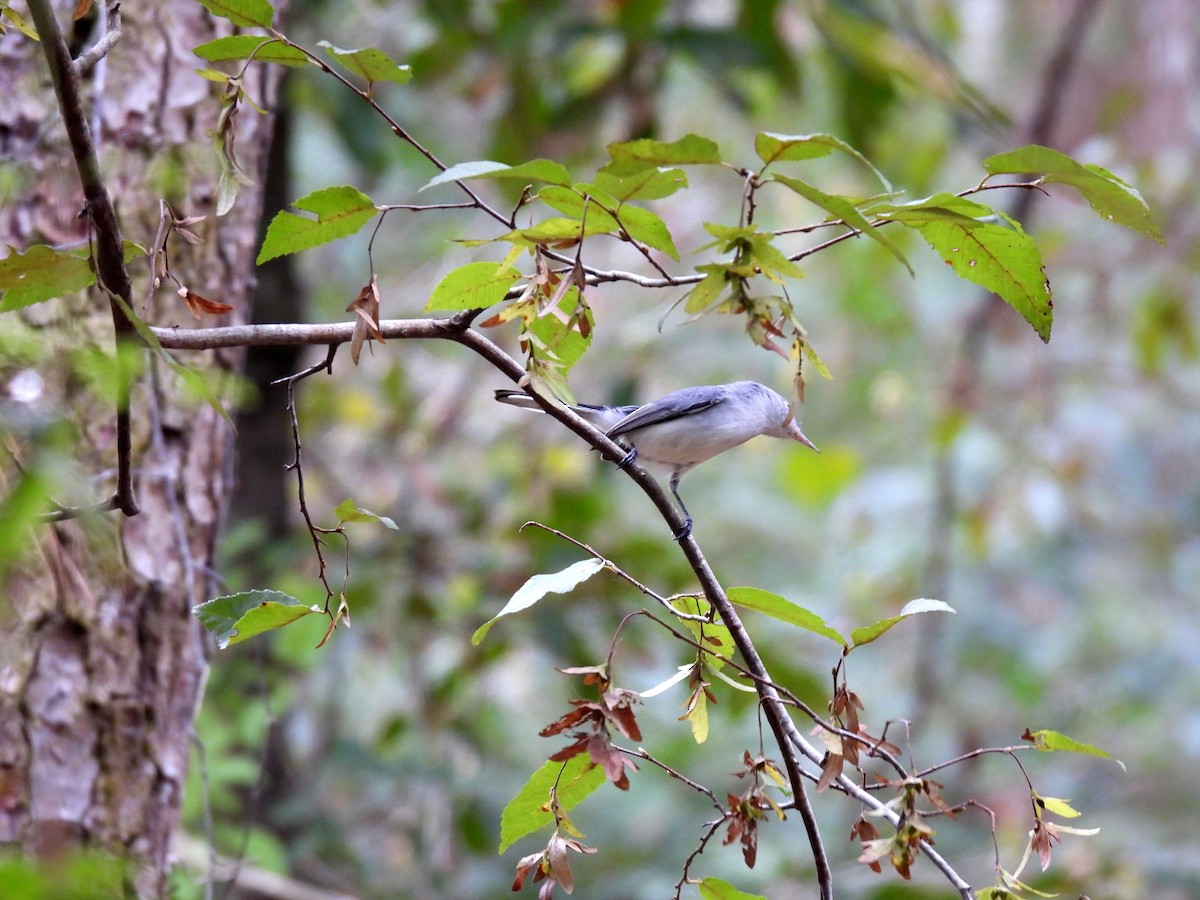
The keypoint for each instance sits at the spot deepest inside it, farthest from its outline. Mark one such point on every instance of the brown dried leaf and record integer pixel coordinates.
(830, 770)
(198, 304)
(81, 10)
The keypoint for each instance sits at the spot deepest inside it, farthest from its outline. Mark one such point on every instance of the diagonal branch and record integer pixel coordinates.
(458, 329)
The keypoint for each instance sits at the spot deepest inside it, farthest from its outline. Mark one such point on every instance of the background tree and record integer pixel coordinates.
(103, 662)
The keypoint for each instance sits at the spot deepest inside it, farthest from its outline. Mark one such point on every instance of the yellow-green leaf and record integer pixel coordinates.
(340, 211)
(529, 810)
(784, 610)
(476, 285)
(369, 64)
(1108, 195)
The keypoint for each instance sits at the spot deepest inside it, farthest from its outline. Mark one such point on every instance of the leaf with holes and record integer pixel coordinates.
(985, 247)
(239, 617)
(1108, 195)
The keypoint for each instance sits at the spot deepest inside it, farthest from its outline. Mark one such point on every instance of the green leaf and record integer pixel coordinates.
(785, 610)
(633, 156)
(553, 230)
(41, 273)
(771, 260)
(716, 889)
(715, 637)
(476, 285)
(842, 208)
(347, 511)
(707, 291)
(570, 201)
(644, 184)
(648, 228)
(773, 148)
(368, 64)
(238, 617)
(530, 809)
(535, 170)
(539, 586)
(1108, 195)
(984, 247)
(341, 211)
(868, 633)
(1053, 740)
(559, 336)
(244, 13)
(243, 46)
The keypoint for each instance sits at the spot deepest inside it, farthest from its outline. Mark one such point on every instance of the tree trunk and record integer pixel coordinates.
(101, 663)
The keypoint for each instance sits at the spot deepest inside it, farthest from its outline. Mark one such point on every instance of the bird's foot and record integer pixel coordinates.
(683, 532)
(629, 458)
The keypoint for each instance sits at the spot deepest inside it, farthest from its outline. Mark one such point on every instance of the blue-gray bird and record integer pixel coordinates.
(687, 426)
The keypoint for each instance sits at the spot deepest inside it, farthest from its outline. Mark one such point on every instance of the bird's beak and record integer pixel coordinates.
(794, 432)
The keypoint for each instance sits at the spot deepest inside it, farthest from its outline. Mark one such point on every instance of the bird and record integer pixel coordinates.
(676, 433)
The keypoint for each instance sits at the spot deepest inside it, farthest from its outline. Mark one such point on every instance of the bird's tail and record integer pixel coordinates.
(517, 398)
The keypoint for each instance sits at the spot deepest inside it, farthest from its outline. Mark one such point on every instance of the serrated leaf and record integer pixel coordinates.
(340, 210)
(561, 341)
(529, 809)
(868, 633)
(648, 228)
(40, 273)
(773, 148)
(571, 202)
(239, 617)
(645, 184)
(244, 46)
(368, 63)
(632, 156)
(985, 247)
(539, 586)
(844, 209)
(1111, 198)
(476, 285)
(716, 889)
(535, 170)
(708, 290)
(245, 13)
(784, 610)
(348, 511)
(1054, 740)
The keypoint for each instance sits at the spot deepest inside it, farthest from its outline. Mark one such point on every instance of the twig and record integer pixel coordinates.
(85, 62)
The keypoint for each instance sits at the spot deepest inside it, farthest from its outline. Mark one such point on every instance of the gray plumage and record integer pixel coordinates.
(688, 426)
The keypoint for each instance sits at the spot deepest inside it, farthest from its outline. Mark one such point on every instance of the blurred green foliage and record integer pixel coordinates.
(1048, 493)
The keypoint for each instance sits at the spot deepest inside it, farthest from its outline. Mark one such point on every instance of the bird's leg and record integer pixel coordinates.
(629, 458)
(687, 518)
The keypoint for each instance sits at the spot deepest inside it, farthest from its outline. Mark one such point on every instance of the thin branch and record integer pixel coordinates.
(112, 33)
(108, 258)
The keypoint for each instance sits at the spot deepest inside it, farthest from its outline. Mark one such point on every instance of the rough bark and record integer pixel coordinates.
(101, 663)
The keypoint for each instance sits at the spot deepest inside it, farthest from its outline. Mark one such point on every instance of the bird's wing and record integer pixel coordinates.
(686, 402)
